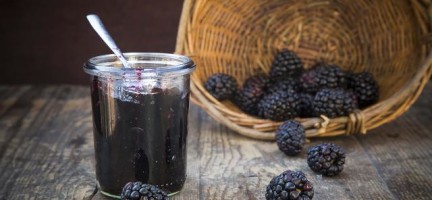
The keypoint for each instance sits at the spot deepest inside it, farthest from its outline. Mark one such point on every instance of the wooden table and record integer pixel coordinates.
(46, 151)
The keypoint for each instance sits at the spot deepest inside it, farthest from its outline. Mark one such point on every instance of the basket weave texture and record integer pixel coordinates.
(240, 37)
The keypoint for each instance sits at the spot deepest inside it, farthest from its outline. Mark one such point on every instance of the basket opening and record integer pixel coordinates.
(241, 37)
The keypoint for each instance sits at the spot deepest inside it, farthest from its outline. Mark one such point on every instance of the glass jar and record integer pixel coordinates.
(140, 119)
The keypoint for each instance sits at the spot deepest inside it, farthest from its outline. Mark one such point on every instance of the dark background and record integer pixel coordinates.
(47, 42)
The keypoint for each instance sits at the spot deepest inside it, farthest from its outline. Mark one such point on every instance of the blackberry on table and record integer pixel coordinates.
(290, 137)
(286, 64)
(334, 103)
(291, 185)
(323, 76)
(221, 86)
(364, 87)
(327, 159)
(138, 191)
(279, 106)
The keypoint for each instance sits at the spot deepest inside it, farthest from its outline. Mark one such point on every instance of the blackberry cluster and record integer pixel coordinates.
(323, 76)
(364, 87)
(279, 106)
(286, 64)
(288, 91)
(138, 191)
(221, 86)
(327, 159)
(290, 137)
(291, 185)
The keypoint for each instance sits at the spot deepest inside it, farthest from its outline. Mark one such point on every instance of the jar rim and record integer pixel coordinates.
(163, 64)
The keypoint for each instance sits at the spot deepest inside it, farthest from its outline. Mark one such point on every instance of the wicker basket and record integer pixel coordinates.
(240, 37)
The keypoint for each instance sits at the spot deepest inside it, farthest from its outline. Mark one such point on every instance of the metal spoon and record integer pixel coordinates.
(100, 29)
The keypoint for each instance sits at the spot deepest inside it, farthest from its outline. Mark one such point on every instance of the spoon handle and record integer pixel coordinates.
(100, 29)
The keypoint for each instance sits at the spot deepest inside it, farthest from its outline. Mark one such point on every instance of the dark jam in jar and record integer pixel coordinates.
(139, 137)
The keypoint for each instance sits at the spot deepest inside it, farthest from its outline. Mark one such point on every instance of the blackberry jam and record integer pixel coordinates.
(140, 122)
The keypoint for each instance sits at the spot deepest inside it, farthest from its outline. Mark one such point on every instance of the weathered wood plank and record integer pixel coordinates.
(401, 150)
(46, 152)
(234, 167)
(46, 145)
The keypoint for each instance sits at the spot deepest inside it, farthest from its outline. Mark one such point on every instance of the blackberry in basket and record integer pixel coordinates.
(253, 90)
(286, 64)
(334, 103)
(279, 106)
(285, 84)
(221, 86)
(364, 87)
(323, 76)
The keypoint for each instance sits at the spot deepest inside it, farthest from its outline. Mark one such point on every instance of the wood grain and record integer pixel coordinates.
(46, 143)
(401, 151)
(46, 151)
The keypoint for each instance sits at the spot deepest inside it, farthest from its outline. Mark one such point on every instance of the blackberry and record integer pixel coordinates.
(286, 64)
(364, 87)
(306, 105)
(253, 90)
(279, 106)
(138, 190)
(257, 81)
(290, 137)
(248, 98)
(286, 84)
(221, 86)
(290, 185)
(323, 76)
(327, 159)
(334, 103)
